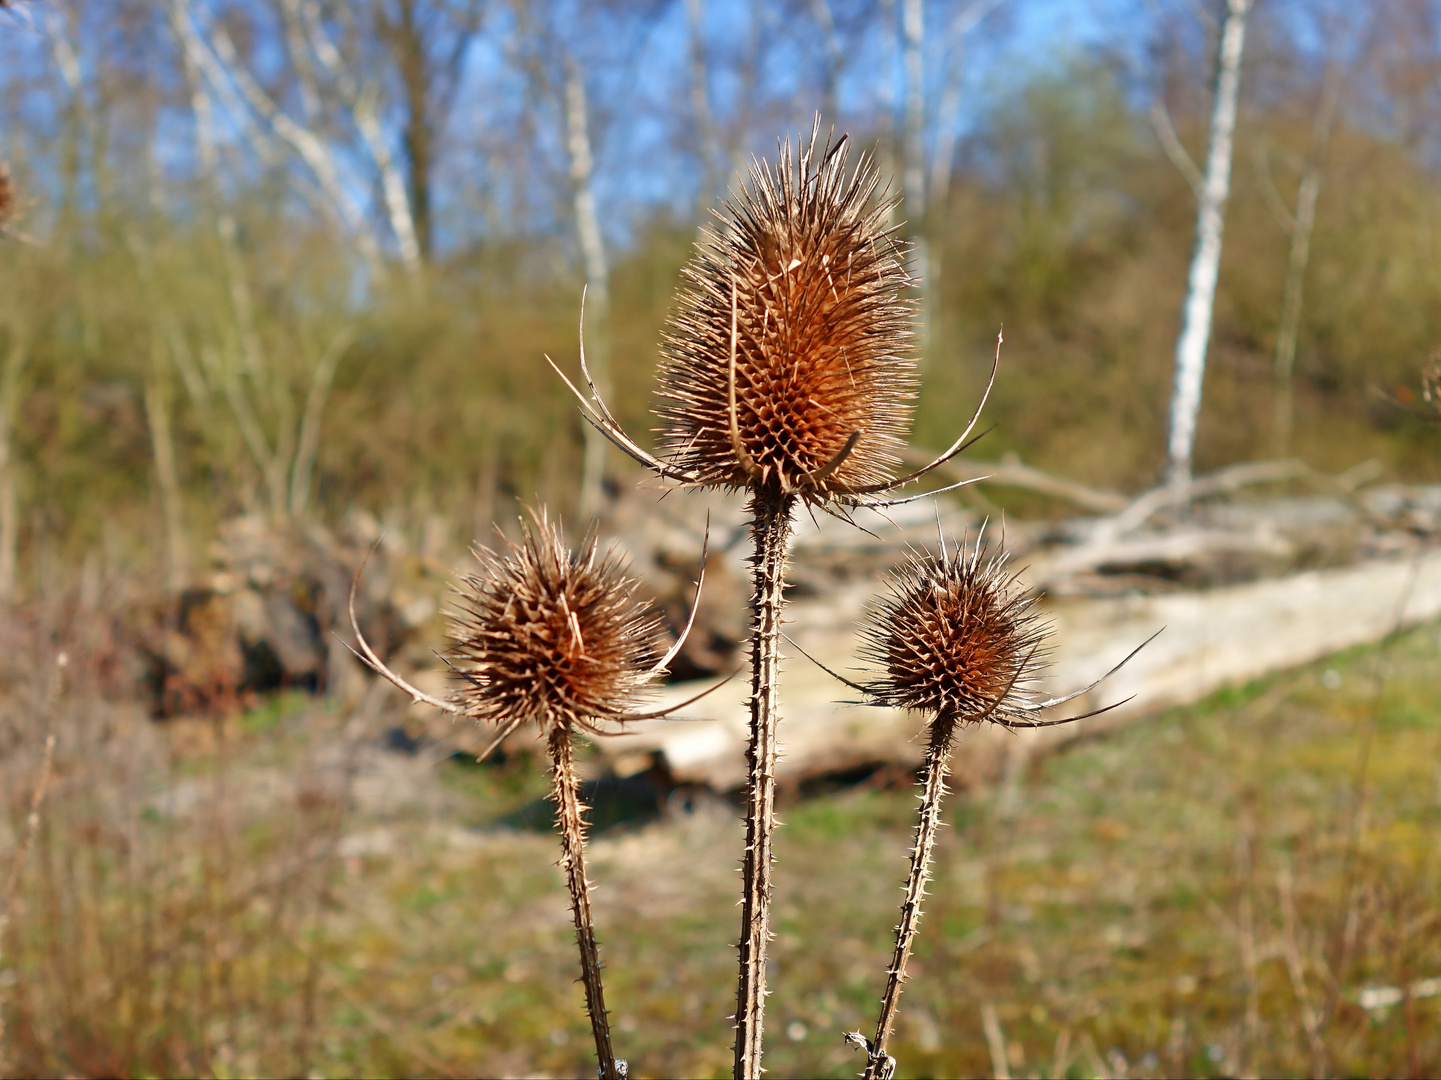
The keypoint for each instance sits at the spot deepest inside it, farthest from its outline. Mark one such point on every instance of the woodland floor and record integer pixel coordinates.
(1182, 898)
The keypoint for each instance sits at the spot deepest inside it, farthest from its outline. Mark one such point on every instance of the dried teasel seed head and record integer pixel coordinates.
(551, 636)
(954, 637)
(804, 266)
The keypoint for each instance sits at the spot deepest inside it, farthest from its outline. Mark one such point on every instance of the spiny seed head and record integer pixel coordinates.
(804, 262)
(954, 637)
(550, 636)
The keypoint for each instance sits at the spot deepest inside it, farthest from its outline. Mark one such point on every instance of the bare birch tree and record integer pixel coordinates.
(1206, 259)
(429, 58)
(947, 122)
(833, 57)
(337, 133)
(1301, 223)
(707, 141)
(913, 173)
(886, 90)
(597, 273)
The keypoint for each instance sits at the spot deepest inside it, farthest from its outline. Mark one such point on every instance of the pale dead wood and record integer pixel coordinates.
(1028, 478)
(996, 1042)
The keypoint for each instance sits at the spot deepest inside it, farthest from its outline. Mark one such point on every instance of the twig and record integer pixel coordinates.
(1027, 478)
(32, 820)
(995, 1041)
(1310, 1023)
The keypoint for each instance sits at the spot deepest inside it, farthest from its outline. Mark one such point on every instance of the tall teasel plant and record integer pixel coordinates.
(557, 639)
(954, 637)
(788, 374)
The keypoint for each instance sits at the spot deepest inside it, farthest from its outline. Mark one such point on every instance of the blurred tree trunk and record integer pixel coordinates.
(913, 154)
(16, 357)
(834, 59)
(886, 92)
(1206, 260)
(429, 62)
(308, 441)
(938, 187)
(1302, 223)
(707, 143)
(167, 474)
(597, 275)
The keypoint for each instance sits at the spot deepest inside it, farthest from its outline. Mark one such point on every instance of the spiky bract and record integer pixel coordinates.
(551, 636)
(822, 342)
(954, 637)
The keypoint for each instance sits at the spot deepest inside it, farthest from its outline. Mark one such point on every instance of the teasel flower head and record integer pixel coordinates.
(955, 637)
(788, 359)
(788, 366)
(550, 636)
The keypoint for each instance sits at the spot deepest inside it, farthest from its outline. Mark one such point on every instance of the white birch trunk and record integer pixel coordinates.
(913, 150)
(886, 91)
(362, 102)
(308, 448)
(15, 360)
(1206, 261)
(218, 59)
(709, 148)
(938, 186)
(597, 275)
(835, 57)
(167, 475)
(1303, 222)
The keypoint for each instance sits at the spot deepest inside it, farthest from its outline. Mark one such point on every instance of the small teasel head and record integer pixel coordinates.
(788, 360)
(551, 636)
(955, 637)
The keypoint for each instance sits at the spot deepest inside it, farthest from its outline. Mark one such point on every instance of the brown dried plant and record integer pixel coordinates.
(955, 638)
(555, 638)
(788, 374)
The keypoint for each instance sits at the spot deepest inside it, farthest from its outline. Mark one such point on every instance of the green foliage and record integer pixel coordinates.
(1064, 223)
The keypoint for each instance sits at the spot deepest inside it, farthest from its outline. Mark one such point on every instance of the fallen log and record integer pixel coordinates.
(1224, 636)
(1025, 477)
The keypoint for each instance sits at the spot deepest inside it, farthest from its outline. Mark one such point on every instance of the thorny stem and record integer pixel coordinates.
(938, 756)
(771, 526)
(569, 811)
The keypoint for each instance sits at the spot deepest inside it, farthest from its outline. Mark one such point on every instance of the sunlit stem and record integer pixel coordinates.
(569, 814)
(933, 790)
(771, 526)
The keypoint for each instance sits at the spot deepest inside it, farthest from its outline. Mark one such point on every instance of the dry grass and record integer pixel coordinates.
(207, 900)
